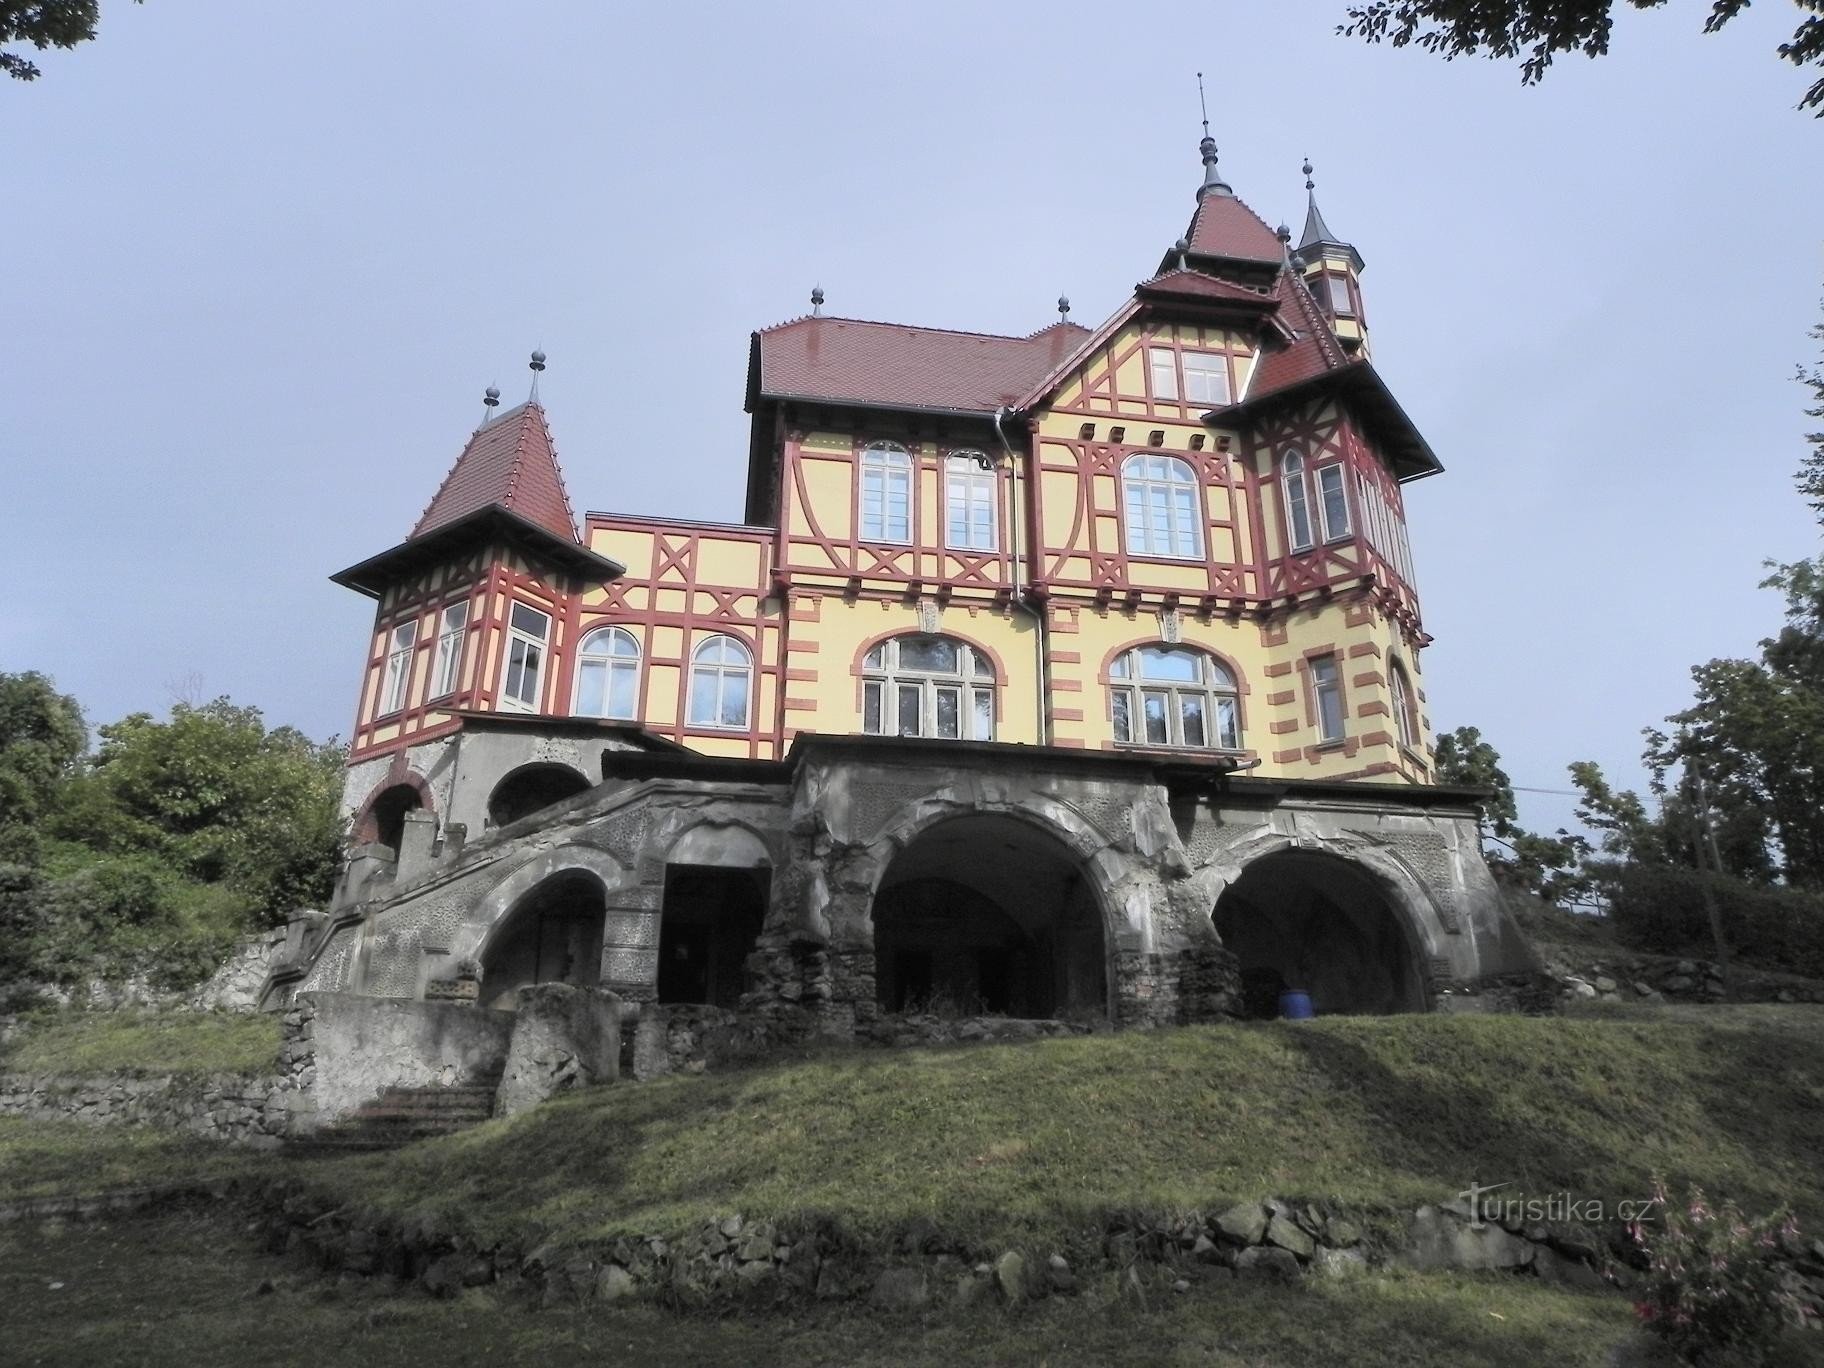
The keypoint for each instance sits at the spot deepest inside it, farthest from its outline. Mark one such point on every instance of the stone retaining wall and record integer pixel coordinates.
(237, 1108)
(1657, 978)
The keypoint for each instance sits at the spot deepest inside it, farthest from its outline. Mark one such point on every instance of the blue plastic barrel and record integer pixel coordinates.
(1295, 1005)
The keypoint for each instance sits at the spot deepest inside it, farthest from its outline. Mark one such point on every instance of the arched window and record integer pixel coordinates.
(1174, 696)
(721, 678)
(608, 674)
(1160, 494)
(886, 493)
(920, 685)
(1404, 714)
(1298, 501)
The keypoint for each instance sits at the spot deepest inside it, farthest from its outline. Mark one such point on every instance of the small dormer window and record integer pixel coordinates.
(1340, 302)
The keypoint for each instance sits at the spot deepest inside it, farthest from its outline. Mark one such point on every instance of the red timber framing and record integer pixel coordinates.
(490, 580)
(805, 552)
(709, 609)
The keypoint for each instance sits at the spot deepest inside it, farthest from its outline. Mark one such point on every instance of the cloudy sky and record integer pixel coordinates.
(263, 260)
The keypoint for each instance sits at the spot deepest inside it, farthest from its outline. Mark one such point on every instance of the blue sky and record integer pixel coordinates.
(264, 260)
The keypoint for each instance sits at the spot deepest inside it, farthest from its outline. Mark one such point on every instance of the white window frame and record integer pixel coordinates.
(1199, 369)
(1336, 285)
(1215, 694)
(714, 676)
(525, 657)
(446, 674)
(1300, 528)
(973, 491)
(886, 478)
(395, 688)
(1163, 364)
(1326, 488)
(1327, 698)
(596, 652)
(1160, 509)
(890, 686)
(1405, 715)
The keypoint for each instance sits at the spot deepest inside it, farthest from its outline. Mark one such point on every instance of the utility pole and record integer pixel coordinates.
(1706, 838)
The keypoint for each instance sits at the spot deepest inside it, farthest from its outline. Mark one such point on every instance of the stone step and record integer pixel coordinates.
(402, 1115)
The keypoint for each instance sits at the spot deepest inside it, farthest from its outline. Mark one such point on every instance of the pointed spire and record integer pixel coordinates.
(1317, 233)
(1213, 183)
(508, 463)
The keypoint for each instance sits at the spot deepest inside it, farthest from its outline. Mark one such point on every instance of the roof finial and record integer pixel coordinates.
(1213, 183)
(816, 301)
(1064, 307)
(537, 365)
(1309, 183)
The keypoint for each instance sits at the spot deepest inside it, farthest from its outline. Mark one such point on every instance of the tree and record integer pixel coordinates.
(1543, 29)
(44, 24)
(1545, 865)
(42, 736)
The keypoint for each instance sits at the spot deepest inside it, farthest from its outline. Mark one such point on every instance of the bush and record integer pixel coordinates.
(1713, 1285)
(1660, 908)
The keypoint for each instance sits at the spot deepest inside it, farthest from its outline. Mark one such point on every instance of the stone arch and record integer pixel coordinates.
(556, 902)
(995, 905)
(1353, 929)
(381, 819)
(531, 788)
(721, 845)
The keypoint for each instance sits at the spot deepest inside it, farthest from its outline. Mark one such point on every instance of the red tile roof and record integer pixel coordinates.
(1223, 226)
(511, 463)
(1315, 351)
(1196, 285)
(849, 360)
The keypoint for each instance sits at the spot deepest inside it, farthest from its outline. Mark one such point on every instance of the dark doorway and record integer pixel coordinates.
(1305, 920)
(553, 935)
(989, 915)
(386, 815)
(710, 923)
(530, 788)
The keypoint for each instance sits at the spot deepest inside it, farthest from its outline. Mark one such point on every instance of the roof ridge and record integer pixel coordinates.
(914, 327)
(557, 466)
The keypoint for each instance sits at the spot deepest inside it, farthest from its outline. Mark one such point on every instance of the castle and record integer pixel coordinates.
(1070, 675)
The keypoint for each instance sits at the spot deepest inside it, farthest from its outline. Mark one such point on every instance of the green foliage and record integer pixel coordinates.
(1660, 908)
(42, 736)
(152, 855)
(1544, 29)
(44, 24)
(1712, 1285)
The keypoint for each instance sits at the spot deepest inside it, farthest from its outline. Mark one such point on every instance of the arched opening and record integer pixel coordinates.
(552, 935)
(1304, 920)
(385, 820)
(710, 924)
(530, 788)
(989, 914)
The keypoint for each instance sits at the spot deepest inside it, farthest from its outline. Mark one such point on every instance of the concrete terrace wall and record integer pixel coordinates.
(348, 1048)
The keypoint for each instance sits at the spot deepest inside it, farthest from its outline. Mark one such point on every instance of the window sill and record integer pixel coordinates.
(1334, 744)
(1168, 748)
(1195, 558)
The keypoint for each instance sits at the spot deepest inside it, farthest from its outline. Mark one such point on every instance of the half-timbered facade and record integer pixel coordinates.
(1176, 541)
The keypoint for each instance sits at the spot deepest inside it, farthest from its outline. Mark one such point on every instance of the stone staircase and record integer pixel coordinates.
(399, 1116)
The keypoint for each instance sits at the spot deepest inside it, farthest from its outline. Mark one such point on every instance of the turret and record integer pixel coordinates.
(1333, 270)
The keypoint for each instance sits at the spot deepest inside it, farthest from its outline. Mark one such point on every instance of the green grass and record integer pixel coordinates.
(1031, 1142)
(180, 1290)
(41, 1158)
(87, 1044)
